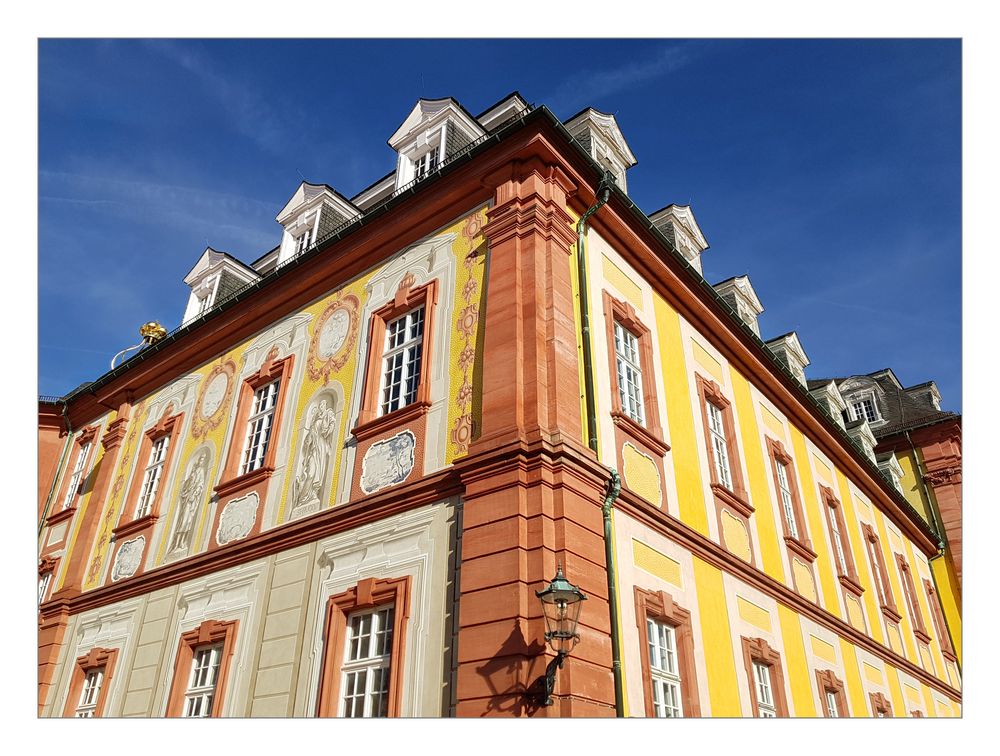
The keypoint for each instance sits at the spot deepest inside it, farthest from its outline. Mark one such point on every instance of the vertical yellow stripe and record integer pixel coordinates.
(925, 613)
(860, 559)
(946, 585)
(895, 692)
(621, 635)
(680, 417)
(929, 707)
(796, 666)
(575, 284)
(750, 442)
(720, 663)
(855, 688)
(815, 516)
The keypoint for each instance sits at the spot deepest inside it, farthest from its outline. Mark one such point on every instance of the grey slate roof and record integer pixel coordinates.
(900, 410)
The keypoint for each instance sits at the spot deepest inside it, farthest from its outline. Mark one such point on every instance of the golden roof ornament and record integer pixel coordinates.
(151, 333)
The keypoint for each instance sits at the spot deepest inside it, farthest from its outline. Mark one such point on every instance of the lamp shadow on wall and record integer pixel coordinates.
(506, 672)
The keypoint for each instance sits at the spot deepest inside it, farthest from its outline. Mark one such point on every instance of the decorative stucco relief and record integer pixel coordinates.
(237, 519)
(333, 338)
(192, 496)
(128, 558)
(213, 397)
(388, 462)
(318, 432)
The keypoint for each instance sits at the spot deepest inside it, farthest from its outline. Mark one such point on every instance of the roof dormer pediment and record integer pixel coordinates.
(603, 125)
(213, 261)
(683, 216)
(310, 196)
(428, 115)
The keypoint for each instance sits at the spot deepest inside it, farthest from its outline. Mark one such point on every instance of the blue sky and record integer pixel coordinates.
(829, 171)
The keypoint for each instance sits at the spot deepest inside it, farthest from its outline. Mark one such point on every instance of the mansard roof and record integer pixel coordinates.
(900, 411)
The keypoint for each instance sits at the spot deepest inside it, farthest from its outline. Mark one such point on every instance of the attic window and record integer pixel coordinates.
(303, 241)
(864, 407)
(426, 163)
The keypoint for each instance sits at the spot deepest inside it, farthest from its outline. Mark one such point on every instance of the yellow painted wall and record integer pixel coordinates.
(753, 455)
(860, 555)
(912, 487)
(720, 662)
(680, 417)
(895, 692)
(855, 688)
(896, 585)
(946, 585)
(796, 666)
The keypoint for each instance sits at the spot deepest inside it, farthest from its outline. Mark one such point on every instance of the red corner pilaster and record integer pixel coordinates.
(52, 622)
(941, 448)
(533, 492)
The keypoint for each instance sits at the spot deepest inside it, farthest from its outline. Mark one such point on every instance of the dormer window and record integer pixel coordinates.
(313, 213)
(303, 241)
(215, 277)
(426, 163)
(865, 407)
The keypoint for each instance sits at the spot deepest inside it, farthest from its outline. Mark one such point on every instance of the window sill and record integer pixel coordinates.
(803, 549)
(647, 437)
(734, 500)
(851, 585)
(134, 526)
(61, 516)
(922, 636)
(243, 482)
(891, 614)
(369, 428)
(949, 655)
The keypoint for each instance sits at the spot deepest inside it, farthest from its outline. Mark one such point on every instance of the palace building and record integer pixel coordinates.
(481, 440)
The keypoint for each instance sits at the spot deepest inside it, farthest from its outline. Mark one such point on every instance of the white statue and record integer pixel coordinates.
(192, 493)
(320, 425)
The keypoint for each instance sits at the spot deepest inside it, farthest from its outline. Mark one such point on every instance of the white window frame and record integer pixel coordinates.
(764, 690)
(203, 679)
(628, 367)
(402, 360)
(838, 542)
(367, 656)
(426, 163)
(303, 241)
(831, 703)
(860, 411)
(260, 424)
(152, 476)
(880, 586)
(787, 505)
(77, 475)
(720, 446)
(664, 669)
(44, 581)
(93, 679)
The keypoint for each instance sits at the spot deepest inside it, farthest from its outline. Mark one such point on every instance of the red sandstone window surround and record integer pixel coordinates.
(91, 681)
(910, 596)
(944, 640)
(843, 556)
(722, 446)
(786, 487)
(666, 642)
(203, 696)
(250, 458)
(145, 494)
(766, 678)
(76, 477)
(880, 575)
(881, 708)
(47, 567)
(833, 699)
(393, 393)
(353, 644)
(634, 403)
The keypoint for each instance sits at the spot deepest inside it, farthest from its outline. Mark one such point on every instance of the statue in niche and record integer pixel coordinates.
(315, 457)
(191, 496)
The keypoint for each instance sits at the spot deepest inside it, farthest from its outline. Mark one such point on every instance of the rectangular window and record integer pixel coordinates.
(910, 596)
(77, 475)
(865, 410)
(44, 580)
(366, 666)
(401, 361)
(259, 426)
(151, 478)
(830, 698)
(89, 695)
(204, 677)
(664, 669)
(762, 685)
(881, 583)
(838, 542)
(204, 303)
(426, 163)
(938, 618)
(629, 373)
(720, 450)
(786, 499)
(303, 241)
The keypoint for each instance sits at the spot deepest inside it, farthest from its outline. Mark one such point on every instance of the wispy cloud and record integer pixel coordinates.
(250, 113)
(589, 86)
(238, 218)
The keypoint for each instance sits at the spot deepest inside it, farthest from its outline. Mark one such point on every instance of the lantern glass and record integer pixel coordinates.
(561, 604)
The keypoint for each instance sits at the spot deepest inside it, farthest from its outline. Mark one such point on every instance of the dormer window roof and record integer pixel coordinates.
(213, 279)
(509, 107)
(311, 214)
(432, 132)
(739, 294)
(599, 135)
(789, 352)
(678, 224)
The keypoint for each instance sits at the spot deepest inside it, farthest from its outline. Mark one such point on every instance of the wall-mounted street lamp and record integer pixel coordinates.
(561, 607)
